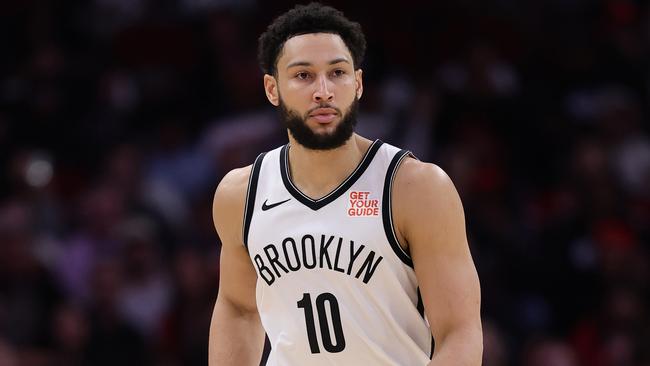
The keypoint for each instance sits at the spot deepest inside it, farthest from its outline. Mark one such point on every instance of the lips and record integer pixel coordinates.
(324, 115)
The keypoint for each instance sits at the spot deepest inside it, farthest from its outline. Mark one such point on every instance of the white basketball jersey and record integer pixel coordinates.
(334, 287)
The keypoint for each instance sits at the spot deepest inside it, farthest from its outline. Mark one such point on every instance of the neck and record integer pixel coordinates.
(317, 172)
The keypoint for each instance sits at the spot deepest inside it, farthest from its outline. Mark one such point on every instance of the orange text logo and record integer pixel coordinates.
(362, 205)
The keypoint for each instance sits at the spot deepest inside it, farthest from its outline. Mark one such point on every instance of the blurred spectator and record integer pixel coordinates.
(8, 356)
(70, 333)
(549, 352)
(495, 350)
(112, 340)
(27, 295)
(99, 212)
(145, 294)
(185, 335)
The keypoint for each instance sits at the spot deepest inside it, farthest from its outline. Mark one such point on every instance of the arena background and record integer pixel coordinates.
(119, 117)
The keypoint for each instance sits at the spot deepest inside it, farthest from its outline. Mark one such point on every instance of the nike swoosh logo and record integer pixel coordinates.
(266, 207)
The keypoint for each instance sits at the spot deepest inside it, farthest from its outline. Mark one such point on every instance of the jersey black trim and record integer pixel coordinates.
(250, 197)
(386, 208)
(420, 307)
(338, 191)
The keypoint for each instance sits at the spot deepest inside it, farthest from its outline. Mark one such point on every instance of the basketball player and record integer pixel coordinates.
(345, 251)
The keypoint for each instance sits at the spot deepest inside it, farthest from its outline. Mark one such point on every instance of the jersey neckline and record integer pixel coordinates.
(316, 204)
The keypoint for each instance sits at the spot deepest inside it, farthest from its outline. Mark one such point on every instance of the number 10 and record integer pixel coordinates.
(305, 303)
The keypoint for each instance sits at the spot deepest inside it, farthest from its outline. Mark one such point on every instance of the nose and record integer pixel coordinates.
(323, 91)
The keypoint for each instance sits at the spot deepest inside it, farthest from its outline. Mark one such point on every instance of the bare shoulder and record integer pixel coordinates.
(425, 202)
(416, 178)
(234, 184)
(228, 204)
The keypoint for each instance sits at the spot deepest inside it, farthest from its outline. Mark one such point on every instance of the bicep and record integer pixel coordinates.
(237, 277)
(434, 227)
(450, 290)
(236, 334)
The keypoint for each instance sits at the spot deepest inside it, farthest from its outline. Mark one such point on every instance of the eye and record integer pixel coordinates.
(302, 75)
(338, 72)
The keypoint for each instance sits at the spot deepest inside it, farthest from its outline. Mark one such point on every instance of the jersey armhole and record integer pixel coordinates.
(420, 307)
(251, 191)
(387, 209)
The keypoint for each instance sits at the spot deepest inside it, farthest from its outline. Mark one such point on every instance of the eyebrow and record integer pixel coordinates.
(305, 63)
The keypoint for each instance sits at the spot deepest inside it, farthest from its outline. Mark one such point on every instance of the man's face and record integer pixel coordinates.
(317, 90)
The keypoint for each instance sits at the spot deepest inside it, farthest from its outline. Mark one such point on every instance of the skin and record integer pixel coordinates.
(317, 69)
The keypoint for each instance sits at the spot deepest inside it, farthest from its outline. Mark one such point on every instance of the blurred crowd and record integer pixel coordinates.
(119, 117)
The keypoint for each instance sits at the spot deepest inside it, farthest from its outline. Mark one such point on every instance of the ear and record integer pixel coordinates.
(358, 79)
(271, 89)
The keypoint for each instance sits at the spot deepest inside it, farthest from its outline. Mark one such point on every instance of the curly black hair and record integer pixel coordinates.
(304, 19)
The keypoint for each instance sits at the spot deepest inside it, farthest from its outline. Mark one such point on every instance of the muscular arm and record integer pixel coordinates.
(236, 334)
(430, 220)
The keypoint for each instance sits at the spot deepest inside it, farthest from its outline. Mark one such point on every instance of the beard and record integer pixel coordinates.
(306, 137)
